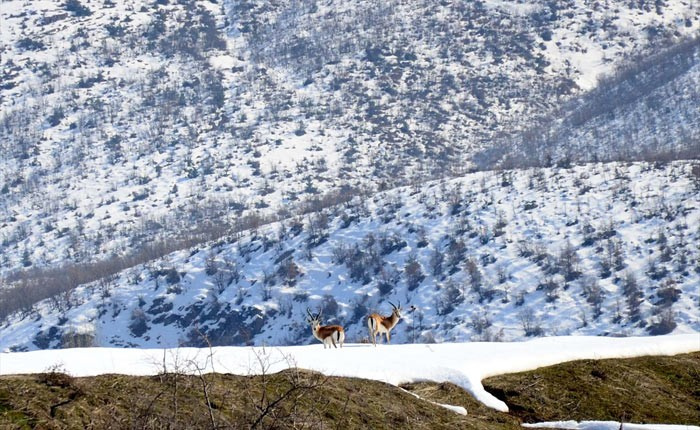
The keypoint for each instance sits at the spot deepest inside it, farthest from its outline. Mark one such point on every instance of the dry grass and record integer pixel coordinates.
(650, 389)
(663, 390)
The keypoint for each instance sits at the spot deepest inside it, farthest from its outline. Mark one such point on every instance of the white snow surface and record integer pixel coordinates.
(464, 364)
(606, 425)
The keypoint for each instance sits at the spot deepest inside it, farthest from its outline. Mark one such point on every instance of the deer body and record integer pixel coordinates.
(378, 324)
(328, 334)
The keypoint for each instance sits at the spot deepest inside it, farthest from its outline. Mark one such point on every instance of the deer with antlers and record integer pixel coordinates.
(328, 334)
(378, 324)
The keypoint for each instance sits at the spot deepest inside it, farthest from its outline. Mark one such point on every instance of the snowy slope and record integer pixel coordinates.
(647, 110)
(121, 122)
(606, 425)
(600, 249)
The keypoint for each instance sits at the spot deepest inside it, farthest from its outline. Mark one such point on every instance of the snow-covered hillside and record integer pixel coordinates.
(600, 249)
(131, 128)
(647, 110)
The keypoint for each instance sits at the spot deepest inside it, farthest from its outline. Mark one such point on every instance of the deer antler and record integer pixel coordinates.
(393, 305)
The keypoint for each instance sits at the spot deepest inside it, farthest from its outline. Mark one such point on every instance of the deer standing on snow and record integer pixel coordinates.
(328, 334)
(378, 324)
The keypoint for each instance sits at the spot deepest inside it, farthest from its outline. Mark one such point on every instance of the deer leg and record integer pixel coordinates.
(388, 337)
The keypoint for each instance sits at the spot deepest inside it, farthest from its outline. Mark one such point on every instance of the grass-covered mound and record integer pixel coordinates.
(662, 390)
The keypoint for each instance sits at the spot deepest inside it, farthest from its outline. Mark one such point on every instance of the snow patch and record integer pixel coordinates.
(606, 425)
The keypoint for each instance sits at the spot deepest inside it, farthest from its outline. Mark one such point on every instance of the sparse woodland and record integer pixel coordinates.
(600, 248)
(180, 167)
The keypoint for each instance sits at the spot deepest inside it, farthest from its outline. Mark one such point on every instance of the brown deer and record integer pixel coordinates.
(378, 324)
(328, 334)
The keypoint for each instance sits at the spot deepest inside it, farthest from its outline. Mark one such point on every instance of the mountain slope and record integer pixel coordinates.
(597, 249)
(128, 123)
(646, 110)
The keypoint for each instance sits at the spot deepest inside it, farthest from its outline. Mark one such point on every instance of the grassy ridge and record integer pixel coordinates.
(640, 390)
(649, 389)
(308, 400)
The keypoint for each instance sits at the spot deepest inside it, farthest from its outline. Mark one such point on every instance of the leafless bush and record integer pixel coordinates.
(437, 258)
(480, 323)
(594, 295)
(475, 276)
(449, 298)
(387, 280)
(551, 288)
(76, 339)
(139, 322)
(329, 307)
(413, 272)
(664, 322)
(530, 323)
(274, 399)
(568, 262)
(668, 294)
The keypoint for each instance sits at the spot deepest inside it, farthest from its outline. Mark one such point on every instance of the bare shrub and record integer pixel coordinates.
(664, 322)
(480, 323)
(139, 322)
(530, 323)
(76, 339)
(437, 259)
(594, 295)
(274, 399)
(387, 280)
(329, 307)
(413, 272)
(450, 297)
